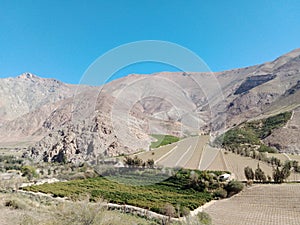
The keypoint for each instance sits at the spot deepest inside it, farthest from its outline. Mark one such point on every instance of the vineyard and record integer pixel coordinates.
(262, 204)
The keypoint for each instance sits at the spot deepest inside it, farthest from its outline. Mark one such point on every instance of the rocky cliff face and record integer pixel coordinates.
(28, 92)
(118, 117)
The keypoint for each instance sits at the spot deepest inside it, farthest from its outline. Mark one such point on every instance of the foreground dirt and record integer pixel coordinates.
(260, 204)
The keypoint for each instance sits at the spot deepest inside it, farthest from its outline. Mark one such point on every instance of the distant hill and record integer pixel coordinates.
(78, 123)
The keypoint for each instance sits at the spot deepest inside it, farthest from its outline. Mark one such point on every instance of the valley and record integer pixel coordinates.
(159, 143)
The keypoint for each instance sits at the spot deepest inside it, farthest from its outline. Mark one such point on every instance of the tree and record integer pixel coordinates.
(128, 161)
(29, 172)
(137, 161)
(150, 163)
(280, 175)
(286, 170)
(275, 161)
(260, 175)
(277, 175)
(169, 211)
(295, 164)
(249, 174)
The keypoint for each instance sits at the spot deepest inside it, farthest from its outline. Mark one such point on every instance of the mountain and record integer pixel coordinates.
(27, 101)
(28, 92)
(75, 123)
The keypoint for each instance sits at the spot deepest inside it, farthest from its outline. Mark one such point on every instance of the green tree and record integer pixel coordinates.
(260, 175)
(286, 169)
(277, 175)
(280, 175)
(249, 174)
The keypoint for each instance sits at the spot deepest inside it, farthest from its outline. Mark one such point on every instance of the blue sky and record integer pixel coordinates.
(62, 38)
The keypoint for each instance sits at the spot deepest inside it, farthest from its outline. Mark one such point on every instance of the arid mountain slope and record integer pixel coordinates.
(118, 117)
(28, 92)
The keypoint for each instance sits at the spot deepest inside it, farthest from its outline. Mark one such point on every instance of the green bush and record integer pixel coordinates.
(265, 148)
(29, 172)
(233, 187)
(204, 218)
(220, 193)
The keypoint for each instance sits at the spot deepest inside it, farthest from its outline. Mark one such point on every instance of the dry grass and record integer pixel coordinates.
(17, 208)
(261, 204)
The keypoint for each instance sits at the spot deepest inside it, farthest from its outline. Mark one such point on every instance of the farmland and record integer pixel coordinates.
(176, 190)
(260, 204)
(162, 140)
(196, 153)
(185, 153)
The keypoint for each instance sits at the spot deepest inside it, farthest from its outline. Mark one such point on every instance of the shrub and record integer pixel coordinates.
(233, 187)
(265, 148)
(15, 204)
(29, 172)
(204, 218)
(184, 211)
(220, 193)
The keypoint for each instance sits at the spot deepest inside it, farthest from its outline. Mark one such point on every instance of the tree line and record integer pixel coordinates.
(280, 173)
(137, 162)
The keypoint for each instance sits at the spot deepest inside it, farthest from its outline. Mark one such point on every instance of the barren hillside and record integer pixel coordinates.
(118, 117)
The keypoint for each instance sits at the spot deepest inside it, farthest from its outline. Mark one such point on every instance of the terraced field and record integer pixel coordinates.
(195, 153)
(157, 153)
(259, 205)
(186, 153)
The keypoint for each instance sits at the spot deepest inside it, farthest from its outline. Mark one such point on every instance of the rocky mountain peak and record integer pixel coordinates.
(27, 75)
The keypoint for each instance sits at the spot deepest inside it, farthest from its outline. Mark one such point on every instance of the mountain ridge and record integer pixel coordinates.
(118, 117)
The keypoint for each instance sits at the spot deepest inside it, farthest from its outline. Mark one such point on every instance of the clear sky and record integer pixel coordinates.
(61, 38)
